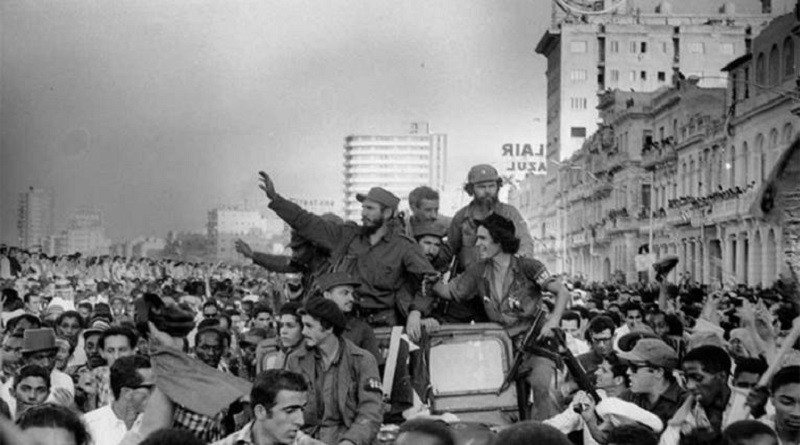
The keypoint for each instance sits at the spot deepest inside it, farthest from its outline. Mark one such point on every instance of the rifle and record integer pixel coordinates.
(528, 342)
(575, 368)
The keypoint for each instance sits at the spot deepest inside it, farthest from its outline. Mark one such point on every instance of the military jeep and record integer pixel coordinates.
(467, 365)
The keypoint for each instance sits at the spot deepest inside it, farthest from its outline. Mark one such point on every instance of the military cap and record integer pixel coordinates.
(428, 228)
(482, 173)
(381, 196)
(331, 280)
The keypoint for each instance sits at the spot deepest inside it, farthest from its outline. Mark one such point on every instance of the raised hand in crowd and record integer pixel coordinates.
(243, 248)
(267, 186)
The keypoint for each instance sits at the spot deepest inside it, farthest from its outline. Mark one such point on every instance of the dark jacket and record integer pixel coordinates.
(358, 392)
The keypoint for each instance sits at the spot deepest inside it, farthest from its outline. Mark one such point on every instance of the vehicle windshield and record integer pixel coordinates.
(468, 366)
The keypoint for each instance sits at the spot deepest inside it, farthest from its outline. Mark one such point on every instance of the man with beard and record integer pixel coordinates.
(389, 265)
(483, 185)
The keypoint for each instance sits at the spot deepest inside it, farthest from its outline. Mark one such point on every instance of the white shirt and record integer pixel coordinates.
(57, 380)
(105, 427)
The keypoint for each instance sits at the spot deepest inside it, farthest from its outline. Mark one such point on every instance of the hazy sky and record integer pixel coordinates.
(156, 111)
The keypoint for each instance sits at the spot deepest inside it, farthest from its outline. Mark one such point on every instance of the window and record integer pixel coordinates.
(467, 354)
(774, 65)
(697, 47)
(633, 76)
(578, 46)
(746, 82)
(632, 47)
(614, 46)
(578, 132)
(615, 75)
(643, 47)
(664, 47)
(727, 48)
(578, 75)
(761, 69)
(643, 75)
(788, 57)
(577, 103)
(662, 76)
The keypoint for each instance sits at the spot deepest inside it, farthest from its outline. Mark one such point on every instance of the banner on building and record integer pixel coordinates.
(522, 159)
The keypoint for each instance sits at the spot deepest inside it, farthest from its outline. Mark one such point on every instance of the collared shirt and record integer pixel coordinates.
(521, 292)
(390, 271)
(57, 380)
(105, 427)
(325, 387)
(463, 233)
(665, 406)
(245, 437)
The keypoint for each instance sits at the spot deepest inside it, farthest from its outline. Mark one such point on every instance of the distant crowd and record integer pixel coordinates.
(113, 350)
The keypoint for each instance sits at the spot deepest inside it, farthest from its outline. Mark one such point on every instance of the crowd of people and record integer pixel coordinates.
(112, 350)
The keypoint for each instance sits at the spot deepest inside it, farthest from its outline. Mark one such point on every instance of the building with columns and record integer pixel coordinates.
(681, 169)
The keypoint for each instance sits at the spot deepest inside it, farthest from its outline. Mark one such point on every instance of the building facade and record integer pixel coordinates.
(35, 218)
(396, 163)
(226, 225)
(679, 170)
(85, 234)
(639, 45)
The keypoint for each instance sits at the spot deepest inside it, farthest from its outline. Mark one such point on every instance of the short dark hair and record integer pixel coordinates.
(751, 365)
(713, 359)
(571, 315)
(55, 416)
(632, 434)
(269, 383)
(124, 373)
(210, 303)
(631, 306)
(32, 371)
(291, 308)
(28, 296)
(170, 436)
(70, 314)
(259, 308)
(11, 326)
(437, 429)
(115, 331)
(785, 376)
(208, 323)
(737, 433)
(522, 433)
(422, 192)
(598, 325)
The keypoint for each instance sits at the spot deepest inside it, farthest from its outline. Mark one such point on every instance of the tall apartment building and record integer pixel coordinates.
(680, 170)
(35, 217)
(397, 163)
(639, 46)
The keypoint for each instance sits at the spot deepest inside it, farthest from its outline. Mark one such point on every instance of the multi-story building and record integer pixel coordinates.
(680, 170)
(226, 225)
(35, 218)
(397, 163)
(85, 234)
(638, 45)
(634, 46)
(318, 206)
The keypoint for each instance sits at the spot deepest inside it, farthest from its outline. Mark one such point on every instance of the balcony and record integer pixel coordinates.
(658, 153)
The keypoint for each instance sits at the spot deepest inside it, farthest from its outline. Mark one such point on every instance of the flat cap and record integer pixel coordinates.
(331, 280)
(428, 228)
(381, 196)
(323, 309)
(652, 351)
(482, 173)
